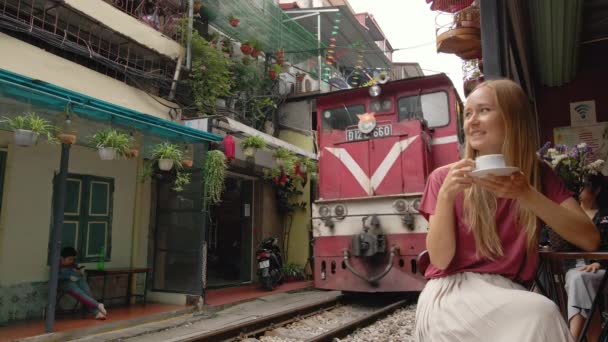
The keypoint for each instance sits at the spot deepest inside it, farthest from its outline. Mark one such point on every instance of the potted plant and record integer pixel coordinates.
(214, 171)
(110, 142)
(251, 144)
(274, 71)
(210, 76)
(283, 155)
(167, 155)
(293, 272)
(234, 21)
(28, 127)
(246, 48)
(307, 165)
(256, 48)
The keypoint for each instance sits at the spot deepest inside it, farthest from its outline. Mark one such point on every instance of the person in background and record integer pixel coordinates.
(483, 235)
(72, 281)
(583, 280)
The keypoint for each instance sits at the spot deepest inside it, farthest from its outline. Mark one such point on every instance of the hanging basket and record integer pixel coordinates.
(107, 153)
(24, 137)
(165, 164)
(187, 163)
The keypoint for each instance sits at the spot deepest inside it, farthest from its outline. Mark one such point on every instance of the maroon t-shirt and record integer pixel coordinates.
(516, 264)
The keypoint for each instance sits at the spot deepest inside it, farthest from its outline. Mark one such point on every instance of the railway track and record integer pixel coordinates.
(320, 321)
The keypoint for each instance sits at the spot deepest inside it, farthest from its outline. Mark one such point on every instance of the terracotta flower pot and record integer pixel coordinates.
(187, 163)
(234, 22)
(273, 74)
(65, 138)
(246, 49)
(133, 153)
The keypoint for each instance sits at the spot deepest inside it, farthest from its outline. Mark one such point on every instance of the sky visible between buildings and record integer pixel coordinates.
(409, 25)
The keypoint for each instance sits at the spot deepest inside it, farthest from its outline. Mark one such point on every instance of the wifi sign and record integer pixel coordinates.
(582, 113)
(582, 110)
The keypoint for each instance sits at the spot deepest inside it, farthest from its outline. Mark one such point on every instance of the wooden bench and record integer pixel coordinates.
(130, 272)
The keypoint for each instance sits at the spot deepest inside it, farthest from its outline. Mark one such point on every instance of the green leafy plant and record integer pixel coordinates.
(112, 138)
(167, 150)
(294, 271)
(214, 171)
(310, 165)
(253, 141)
(181, 179)
(210, 76)
(263, 110)
(32, 122)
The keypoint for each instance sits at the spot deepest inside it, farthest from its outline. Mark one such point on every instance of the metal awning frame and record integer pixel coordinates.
(318, 12)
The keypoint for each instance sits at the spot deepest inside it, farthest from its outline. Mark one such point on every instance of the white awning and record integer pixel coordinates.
(240, 130)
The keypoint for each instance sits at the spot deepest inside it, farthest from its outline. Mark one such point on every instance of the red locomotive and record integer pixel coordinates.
(377, 148)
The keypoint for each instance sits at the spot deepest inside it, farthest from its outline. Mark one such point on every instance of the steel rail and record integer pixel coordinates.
(263, 323)
(349, 327)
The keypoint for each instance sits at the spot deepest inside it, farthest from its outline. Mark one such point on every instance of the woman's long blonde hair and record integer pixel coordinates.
(519, 149)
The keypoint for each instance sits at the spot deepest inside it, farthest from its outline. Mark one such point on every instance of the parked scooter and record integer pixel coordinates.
(270, 263)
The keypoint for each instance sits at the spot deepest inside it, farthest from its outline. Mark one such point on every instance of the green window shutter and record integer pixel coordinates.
(96, 234)
(87, 224)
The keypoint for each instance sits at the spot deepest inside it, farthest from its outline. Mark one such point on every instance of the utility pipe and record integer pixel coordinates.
(189, 42)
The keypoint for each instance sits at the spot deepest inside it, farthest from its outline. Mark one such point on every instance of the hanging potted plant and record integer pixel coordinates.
(283, 157)
(251, 144)
(274, 71)
(256, 48)
(246, 48)
(167, 155)
(214, 171)
(234, 21)
(27, 128)
(110, 143)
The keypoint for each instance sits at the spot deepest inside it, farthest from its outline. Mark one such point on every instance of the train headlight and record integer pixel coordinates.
(400, 206)
(416, 205)
(374, 91)
(340, 211)
(324, 211)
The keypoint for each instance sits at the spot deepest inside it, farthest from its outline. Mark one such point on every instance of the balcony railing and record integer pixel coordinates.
(162, 15)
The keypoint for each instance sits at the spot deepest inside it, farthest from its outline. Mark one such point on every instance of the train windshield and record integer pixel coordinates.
(341, 117)
(432, 107)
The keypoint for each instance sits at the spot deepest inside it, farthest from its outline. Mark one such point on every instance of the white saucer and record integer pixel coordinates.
(498, 171)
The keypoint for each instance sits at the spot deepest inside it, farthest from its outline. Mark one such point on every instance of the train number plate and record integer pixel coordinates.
(264, 264)
(380, 131)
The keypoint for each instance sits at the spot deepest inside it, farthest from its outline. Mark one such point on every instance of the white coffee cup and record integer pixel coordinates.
(490, 161)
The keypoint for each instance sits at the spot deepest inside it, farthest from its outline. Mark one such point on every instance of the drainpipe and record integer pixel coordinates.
(319, 59)
(58, 210)
(178, 69)
(189, 43)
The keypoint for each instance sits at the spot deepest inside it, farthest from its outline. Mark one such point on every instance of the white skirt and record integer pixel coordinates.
(486, 307)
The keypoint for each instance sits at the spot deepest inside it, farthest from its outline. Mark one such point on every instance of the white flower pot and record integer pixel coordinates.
(249, 152)
(24, 137)
(107, 153)
(303, 168)
(165, 164)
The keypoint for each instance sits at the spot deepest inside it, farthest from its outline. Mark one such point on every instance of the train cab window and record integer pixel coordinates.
(432, 107)
(381, 106)
(341, 117)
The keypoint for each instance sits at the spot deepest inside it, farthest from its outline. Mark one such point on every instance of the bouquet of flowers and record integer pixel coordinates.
(572, 164)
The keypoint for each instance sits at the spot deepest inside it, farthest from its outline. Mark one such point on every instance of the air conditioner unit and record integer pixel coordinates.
(307, 85)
